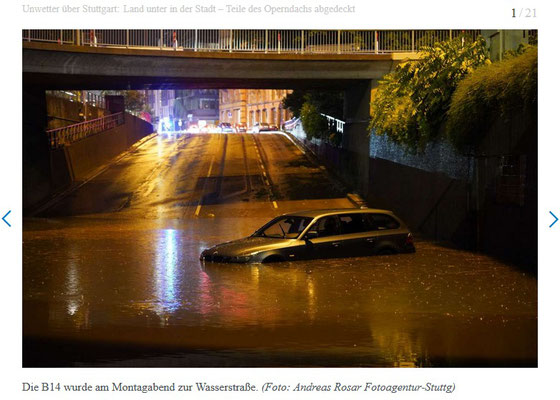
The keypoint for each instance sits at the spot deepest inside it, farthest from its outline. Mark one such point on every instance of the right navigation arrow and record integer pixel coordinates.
(555, 219)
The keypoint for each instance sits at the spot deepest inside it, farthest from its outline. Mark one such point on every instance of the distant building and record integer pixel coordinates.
(179, 109)
(253, 105)
(195, 107)
(233, 106)
(161, 105)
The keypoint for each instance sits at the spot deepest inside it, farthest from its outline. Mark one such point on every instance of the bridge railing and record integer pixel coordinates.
(69, 134)
(334, 122)
(254, 40)
(61, 36)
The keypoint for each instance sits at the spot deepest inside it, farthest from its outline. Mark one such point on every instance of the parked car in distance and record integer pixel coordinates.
(318, 234)
(260, 127)
(225, 127)
(273, 128)
(240, 128)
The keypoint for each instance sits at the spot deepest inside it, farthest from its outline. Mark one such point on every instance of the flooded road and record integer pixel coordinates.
(112, 276)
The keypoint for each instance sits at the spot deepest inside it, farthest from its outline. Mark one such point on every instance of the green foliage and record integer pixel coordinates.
(309, 105)
(134, 100)
(497, 91)
(314, 124)
(294, 102)
(410, 104)
(327, 101)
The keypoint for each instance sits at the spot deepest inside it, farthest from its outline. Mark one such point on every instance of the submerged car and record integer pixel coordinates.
(318, 234)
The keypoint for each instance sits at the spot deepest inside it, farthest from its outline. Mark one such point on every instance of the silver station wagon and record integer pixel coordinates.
(314, 234)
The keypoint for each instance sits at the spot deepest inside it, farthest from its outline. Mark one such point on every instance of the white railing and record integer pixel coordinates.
(66, 135)
(339, 124)
(253, 40)
(61, 36)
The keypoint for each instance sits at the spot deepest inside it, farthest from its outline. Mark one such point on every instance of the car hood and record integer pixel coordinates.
(248, 245)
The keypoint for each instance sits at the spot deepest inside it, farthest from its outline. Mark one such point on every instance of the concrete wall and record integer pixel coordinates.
(431, 203)
(48, 172)
(36, 158)
(86, 155)
(432, 191)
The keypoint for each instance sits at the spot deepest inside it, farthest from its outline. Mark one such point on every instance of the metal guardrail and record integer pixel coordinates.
(253, 40)
(337, 123)
(69, 134)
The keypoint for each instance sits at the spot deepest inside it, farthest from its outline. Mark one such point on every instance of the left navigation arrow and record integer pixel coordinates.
(5, 220)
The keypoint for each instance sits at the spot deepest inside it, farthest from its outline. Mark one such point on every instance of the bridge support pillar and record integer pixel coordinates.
(36, 152)
(355, 141)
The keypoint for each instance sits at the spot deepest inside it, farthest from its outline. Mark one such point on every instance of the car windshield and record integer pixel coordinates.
(289, 227)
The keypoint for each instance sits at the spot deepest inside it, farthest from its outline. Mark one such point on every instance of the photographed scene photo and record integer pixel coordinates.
(279, 198)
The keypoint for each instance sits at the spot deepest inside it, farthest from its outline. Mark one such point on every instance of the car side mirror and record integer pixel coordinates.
(311, 235)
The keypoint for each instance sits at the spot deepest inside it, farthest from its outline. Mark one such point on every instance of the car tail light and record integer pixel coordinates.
(409, 239)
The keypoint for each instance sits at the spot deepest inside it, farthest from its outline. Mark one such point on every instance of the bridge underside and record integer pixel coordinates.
(53, 66)
(53, 81)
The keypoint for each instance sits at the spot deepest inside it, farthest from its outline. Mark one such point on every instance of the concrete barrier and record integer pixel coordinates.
(90, 153)
(69, 166)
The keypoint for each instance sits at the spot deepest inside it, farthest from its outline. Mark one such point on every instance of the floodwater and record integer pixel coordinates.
(126, 288)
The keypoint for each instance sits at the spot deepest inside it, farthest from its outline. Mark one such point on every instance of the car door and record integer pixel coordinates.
(327, 244)
(355, 232)
(383, 233)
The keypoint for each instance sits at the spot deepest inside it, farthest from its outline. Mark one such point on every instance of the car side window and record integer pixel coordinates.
(354, 223)
(326, 226)
(383, 222)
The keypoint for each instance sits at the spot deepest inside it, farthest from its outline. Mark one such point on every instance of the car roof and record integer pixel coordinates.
(333, 211)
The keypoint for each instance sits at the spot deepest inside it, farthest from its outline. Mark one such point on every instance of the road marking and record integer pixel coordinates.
(210, 170)
(199, 206)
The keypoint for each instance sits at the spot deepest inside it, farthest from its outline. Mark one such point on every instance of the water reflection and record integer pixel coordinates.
(311, 298)
(72, 286)
(436, 307)
(396, 340)
(73, 291)
(166, 275)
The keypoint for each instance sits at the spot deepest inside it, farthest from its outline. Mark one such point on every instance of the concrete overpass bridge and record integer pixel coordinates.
(53, 66)
(159, 59)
